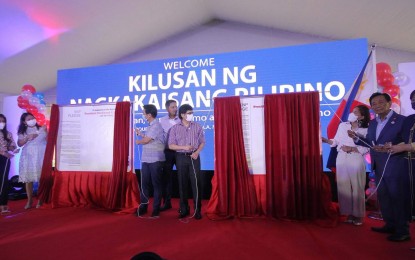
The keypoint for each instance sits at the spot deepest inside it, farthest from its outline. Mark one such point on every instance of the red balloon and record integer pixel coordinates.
(32, 110)
(40, 122)
(35, 113)
(385, 79)
(29, 88)
(23, 104)
(392, 90)
(396, 101)
(383, 67)
(20, 99)
(40, 116)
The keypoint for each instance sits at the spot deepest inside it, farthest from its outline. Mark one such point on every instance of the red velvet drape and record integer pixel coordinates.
(233, 191)
(120, 179)
(91, 189)
(81, 189)
(110, 190)
(296, 186)
(46, 178)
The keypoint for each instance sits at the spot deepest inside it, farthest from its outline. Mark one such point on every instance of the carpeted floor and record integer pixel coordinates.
(85, 233)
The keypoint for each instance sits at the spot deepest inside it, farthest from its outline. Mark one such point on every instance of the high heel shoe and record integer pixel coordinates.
(39, 204)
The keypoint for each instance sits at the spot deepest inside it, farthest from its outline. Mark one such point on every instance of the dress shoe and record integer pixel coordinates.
(384, 229)
(198, 215)
(349, 219)
(165, 207)
(399, 238)
(155, 213)
(358, 221)
(184, 213)
(141, 211)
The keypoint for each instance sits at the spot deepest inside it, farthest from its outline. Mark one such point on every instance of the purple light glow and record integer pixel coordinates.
(22, 27)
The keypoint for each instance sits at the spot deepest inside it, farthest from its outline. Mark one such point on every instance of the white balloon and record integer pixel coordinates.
(395, 107)
(33, 101)
(26, 94)
(380, 89)
(41, 108)
(401, 78)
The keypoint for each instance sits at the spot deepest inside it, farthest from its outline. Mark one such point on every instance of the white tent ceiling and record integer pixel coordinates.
(79, 33)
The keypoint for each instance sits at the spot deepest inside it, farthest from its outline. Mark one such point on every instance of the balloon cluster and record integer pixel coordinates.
(371, 190)
(33, 102)
(391, 83)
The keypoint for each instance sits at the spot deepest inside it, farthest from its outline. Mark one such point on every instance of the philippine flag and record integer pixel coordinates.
(363, 87)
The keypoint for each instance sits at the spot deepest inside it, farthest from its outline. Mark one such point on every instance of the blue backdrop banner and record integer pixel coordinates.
(329, 68)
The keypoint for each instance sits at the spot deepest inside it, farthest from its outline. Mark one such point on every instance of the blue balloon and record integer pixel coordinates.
(42, 102)
(39, 95)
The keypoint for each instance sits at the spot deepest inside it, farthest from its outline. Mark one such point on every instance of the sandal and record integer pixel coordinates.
(39, 204)
(28, 205)
(5, 210)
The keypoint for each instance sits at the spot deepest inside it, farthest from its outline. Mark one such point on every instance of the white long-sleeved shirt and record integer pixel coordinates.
(342, 138)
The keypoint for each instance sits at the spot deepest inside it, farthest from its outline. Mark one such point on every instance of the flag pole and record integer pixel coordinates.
(375, 85)
(375, 214)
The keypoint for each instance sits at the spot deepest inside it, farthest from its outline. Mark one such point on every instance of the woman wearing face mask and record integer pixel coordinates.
(33, 139)
(350, 165)
(7, 151)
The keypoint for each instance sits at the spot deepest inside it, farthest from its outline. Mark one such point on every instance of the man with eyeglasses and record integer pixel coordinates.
(188, 139)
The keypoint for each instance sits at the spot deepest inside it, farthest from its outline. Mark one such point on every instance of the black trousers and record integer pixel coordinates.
(167, 180)
(4, 179)
(151, 176)
(189, 170)
(394, 195)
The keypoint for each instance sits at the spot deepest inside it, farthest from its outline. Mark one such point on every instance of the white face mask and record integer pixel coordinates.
(189, 117)
(352, 118)
(2, 125)
(31, 122)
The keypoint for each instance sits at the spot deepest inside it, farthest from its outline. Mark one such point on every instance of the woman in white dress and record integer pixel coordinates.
(33, 139)
(351, 166)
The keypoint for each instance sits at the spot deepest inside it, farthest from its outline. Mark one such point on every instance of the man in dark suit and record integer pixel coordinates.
(390, 169)
(409, 147)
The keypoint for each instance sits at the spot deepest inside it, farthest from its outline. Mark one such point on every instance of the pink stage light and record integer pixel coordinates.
(24, 24)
